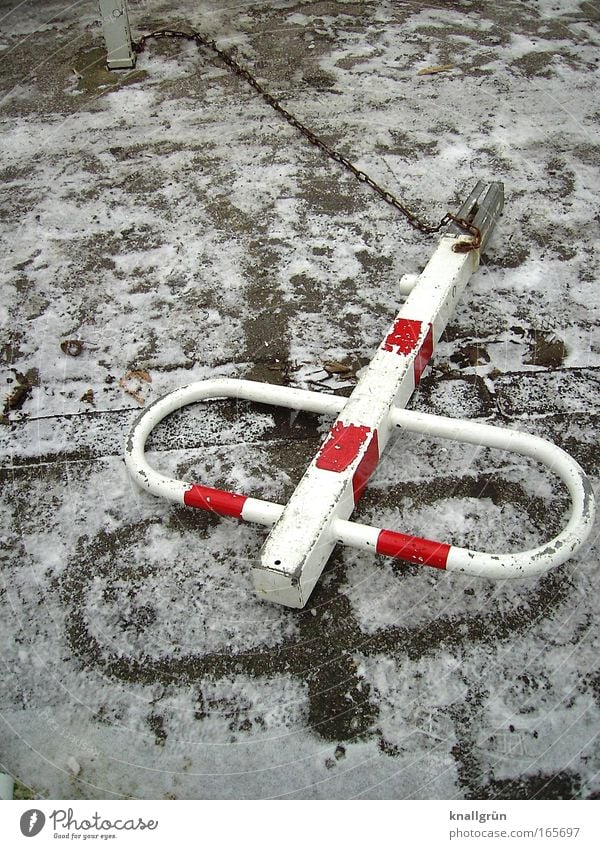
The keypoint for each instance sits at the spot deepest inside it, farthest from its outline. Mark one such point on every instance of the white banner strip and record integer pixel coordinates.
(348, 824)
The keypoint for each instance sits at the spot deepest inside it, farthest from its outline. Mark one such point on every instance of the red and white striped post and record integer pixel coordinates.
(305, 530)
(301, 542)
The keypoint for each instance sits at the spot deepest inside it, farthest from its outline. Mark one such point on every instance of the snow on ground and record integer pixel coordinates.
(176, 226)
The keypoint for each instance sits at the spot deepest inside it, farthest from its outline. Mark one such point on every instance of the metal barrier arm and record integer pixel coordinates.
(366, 537)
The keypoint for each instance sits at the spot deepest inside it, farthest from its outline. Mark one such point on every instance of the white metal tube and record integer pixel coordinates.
(174, 490)
(536, 560)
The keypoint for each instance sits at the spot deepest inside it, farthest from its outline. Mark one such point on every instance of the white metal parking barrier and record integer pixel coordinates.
(316, 518)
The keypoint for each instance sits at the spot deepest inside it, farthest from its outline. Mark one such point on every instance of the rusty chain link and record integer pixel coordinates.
(413, 220)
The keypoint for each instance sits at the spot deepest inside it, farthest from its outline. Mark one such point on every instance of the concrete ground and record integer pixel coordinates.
(163, 225)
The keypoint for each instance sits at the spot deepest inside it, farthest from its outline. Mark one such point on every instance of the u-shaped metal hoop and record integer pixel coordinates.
(367, 537)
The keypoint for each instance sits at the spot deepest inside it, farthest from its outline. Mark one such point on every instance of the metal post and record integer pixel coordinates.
(302, 539)
(117, 34)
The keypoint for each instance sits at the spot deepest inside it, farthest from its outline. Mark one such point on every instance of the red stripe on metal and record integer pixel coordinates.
(215, 500)
(403, 337)
(424, 355)
(425, 552)
(342, 446)
(365, 468)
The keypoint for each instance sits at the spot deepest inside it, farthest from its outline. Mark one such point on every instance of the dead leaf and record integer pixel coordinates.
(25, 384)
(435, 69)
(334, 367)
(17, 398)
(88, 397)
(140, 374)
(131, 384)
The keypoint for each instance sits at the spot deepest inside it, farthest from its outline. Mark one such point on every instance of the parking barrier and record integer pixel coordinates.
(316, 517)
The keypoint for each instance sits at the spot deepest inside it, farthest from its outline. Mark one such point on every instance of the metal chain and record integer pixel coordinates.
(413, 220)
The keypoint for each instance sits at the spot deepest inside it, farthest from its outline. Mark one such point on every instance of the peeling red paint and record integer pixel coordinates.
(403, 339)
(342, 446)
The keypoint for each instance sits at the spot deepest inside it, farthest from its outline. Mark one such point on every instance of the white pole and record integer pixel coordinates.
(117, 34)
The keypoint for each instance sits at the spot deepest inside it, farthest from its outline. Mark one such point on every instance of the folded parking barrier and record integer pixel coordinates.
(316, 517)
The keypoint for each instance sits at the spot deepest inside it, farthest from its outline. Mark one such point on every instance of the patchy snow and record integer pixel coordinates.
(180, 229)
